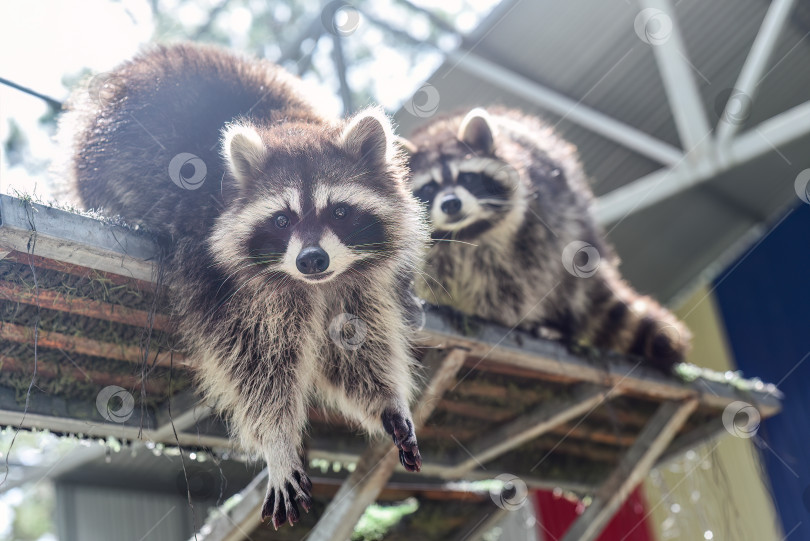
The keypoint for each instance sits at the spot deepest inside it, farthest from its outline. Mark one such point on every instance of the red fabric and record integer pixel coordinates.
(555, 515)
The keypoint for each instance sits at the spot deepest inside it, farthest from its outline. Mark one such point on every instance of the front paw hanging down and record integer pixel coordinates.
(281, 501)
(400, 428)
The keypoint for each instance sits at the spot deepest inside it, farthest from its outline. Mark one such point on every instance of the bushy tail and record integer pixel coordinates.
(634, 324)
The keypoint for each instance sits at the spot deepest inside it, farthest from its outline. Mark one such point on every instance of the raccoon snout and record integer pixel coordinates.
(450, 204)
(312, 260)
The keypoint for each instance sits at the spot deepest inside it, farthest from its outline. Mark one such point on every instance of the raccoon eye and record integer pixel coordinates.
(427, 191)
(340, 212)
(282, 221)
(469, 178)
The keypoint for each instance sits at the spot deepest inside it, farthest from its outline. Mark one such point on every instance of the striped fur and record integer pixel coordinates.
(502, 257)
(267, 338)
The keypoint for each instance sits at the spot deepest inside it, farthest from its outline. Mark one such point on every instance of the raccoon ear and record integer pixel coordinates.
(244, 151)
(477, 130)
(407, 147)
(369, 137)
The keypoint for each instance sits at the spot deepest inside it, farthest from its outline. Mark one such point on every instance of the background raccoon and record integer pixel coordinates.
(515, 241)
(288, 257)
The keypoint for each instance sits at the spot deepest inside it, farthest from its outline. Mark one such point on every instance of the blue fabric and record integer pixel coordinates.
(764, 299)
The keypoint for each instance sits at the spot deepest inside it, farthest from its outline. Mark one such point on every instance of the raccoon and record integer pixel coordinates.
(288, 258)
(515, 241)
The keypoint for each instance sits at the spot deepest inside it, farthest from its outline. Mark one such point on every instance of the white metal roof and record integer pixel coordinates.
(581, 58)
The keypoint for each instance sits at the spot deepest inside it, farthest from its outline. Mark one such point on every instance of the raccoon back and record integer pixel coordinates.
(145, 139)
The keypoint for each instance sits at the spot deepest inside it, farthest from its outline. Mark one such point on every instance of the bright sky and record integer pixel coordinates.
(42, 41)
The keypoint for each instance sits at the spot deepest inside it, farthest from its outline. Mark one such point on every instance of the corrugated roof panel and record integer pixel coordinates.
(589, 51)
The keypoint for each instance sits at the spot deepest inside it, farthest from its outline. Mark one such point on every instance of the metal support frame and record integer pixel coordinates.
(624, 134)
(756, 62)
(705, 159)
(734, 151)
(633, 467)
(679, 83)
(655, 187)
(571, 110)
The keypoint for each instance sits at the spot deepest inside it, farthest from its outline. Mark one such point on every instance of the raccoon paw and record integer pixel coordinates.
(281, 502)
(400, 428)
(667, 347)
(663, 343)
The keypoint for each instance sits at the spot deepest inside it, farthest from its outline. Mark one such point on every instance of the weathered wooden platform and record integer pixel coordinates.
(80, 308)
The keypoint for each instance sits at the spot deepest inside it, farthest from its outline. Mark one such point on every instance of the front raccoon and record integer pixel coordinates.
(288, 262)
(515, 241)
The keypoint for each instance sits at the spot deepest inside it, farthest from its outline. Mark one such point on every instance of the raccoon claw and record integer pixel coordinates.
(281, 503)
(401, 430)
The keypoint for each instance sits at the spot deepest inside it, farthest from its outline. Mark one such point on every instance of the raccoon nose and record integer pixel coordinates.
(312, 260)
(451, 204)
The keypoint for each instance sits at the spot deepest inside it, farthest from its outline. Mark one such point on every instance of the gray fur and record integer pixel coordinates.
(264, 336)
(505, 260)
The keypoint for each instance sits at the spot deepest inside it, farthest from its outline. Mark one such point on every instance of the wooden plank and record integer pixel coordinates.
(48, 371)
(375, 467)
(95, 429)
(476, 411)
(598, 436)
(695, 437)
(435, 469)
(86, 346)
(89, 273)
(519, 350)
(633, 467)
(328, 486)
(54, 300)
(485, 365)
(68, 237)
(526, 428)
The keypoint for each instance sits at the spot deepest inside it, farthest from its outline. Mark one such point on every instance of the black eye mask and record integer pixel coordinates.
(481, 185)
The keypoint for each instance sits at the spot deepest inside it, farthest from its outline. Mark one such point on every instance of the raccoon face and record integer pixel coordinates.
(467, 189)
(311, 203)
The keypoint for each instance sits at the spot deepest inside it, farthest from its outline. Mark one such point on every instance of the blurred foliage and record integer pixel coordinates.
(33, 517)
(293, 34)
(377, 520)
(14, 147)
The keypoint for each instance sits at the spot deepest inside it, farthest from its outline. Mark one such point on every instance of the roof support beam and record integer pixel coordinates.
(677, 75)
(633, 467)
(745, 89)
(567, 108)
(655, 187)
